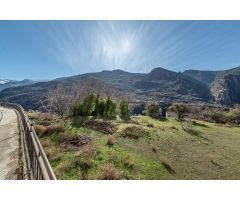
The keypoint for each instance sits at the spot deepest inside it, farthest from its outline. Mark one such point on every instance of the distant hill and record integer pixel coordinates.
(161, 85)
(206, 77)
(224, 85)
(10, 83)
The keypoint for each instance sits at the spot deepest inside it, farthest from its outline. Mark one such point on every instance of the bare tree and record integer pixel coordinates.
(58, 100)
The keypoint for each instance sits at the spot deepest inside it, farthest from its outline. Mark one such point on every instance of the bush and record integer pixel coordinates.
(110, 141)
(53, 129)
(109, 172)
(52, 152)
(32, 115)
(234, 116)
(44, 123)
(129, 163)
(218, 117)
(150, 125)
(153, 110)
(47, 130)
(191, 131)
(134, 132)
(39, 129)
(180, 109)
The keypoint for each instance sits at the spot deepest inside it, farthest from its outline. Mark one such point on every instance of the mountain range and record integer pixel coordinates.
(5, 83)
(161, 85)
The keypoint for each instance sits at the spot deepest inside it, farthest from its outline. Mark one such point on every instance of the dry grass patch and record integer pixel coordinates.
(110, 141)
(51, 152)
(48, 130)
(134, 132)
(109, 172)
(167, 164)
(39, 129)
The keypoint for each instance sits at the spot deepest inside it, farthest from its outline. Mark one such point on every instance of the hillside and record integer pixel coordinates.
(161, 85)
(206, 77)
(225, 89)
(224, 85)
(10, 83)
(154, 149)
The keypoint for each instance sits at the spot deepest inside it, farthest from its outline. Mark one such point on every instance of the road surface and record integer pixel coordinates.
(9, 144)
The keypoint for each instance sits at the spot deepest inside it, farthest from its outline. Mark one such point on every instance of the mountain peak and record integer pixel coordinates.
(115, 71)
(160, 73)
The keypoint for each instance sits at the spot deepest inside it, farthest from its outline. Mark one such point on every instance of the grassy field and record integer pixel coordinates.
(144, 148)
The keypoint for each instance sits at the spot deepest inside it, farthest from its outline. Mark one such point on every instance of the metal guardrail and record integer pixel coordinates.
(38, 164)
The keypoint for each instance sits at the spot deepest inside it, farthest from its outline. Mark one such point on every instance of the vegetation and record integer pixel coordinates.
(124, 110)
(180, 109)
(138, 151)
(223, 117)
(109, 172)
(153, 110)
(96, 143)
(94, 106)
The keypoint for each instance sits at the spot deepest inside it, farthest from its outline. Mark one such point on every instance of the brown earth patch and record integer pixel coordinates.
(102, 126)
(74, 142)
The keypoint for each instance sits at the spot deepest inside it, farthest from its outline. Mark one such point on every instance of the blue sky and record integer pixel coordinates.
(50, 49)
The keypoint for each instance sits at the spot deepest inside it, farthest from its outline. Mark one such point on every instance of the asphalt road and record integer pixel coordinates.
(9, 144)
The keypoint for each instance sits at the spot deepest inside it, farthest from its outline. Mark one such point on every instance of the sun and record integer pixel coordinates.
(126, 45)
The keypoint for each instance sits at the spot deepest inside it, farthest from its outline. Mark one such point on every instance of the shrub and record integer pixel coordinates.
(218, 117)
(234, 116)
(180, 109)
(32, 115)
(39, 129)
(109, 172)
(85, 164)
(110, 141)
(44, 123)
(150, 125)
(174, 127)
(47, 130)
(153, 110)
(191, 130)
(128, 163)
(134, 132)
(53, 129)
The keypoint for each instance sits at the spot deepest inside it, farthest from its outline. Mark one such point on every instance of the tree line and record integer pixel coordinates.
(93, 105)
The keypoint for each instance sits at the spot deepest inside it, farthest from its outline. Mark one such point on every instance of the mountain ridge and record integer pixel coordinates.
(159, 84)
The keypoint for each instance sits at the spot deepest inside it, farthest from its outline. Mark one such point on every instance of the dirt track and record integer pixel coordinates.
(9, 144)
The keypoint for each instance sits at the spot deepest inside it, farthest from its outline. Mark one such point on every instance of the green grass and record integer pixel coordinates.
(212, 153)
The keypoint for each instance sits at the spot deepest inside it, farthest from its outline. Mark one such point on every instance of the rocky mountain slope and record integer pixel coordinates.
(206, 77)
(10, 83)
(226, 87)
(159, 85)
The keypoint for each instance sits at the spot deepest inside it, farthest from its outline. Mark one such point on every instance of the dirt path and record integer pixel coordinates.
(9, 144)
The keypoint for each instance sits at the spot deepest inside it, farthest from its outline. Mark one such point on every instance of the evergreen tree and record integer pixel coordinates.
(124, 110)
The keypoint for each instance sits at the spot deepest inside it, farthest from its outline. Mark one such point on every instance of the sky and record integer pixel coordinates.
(43, 50)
